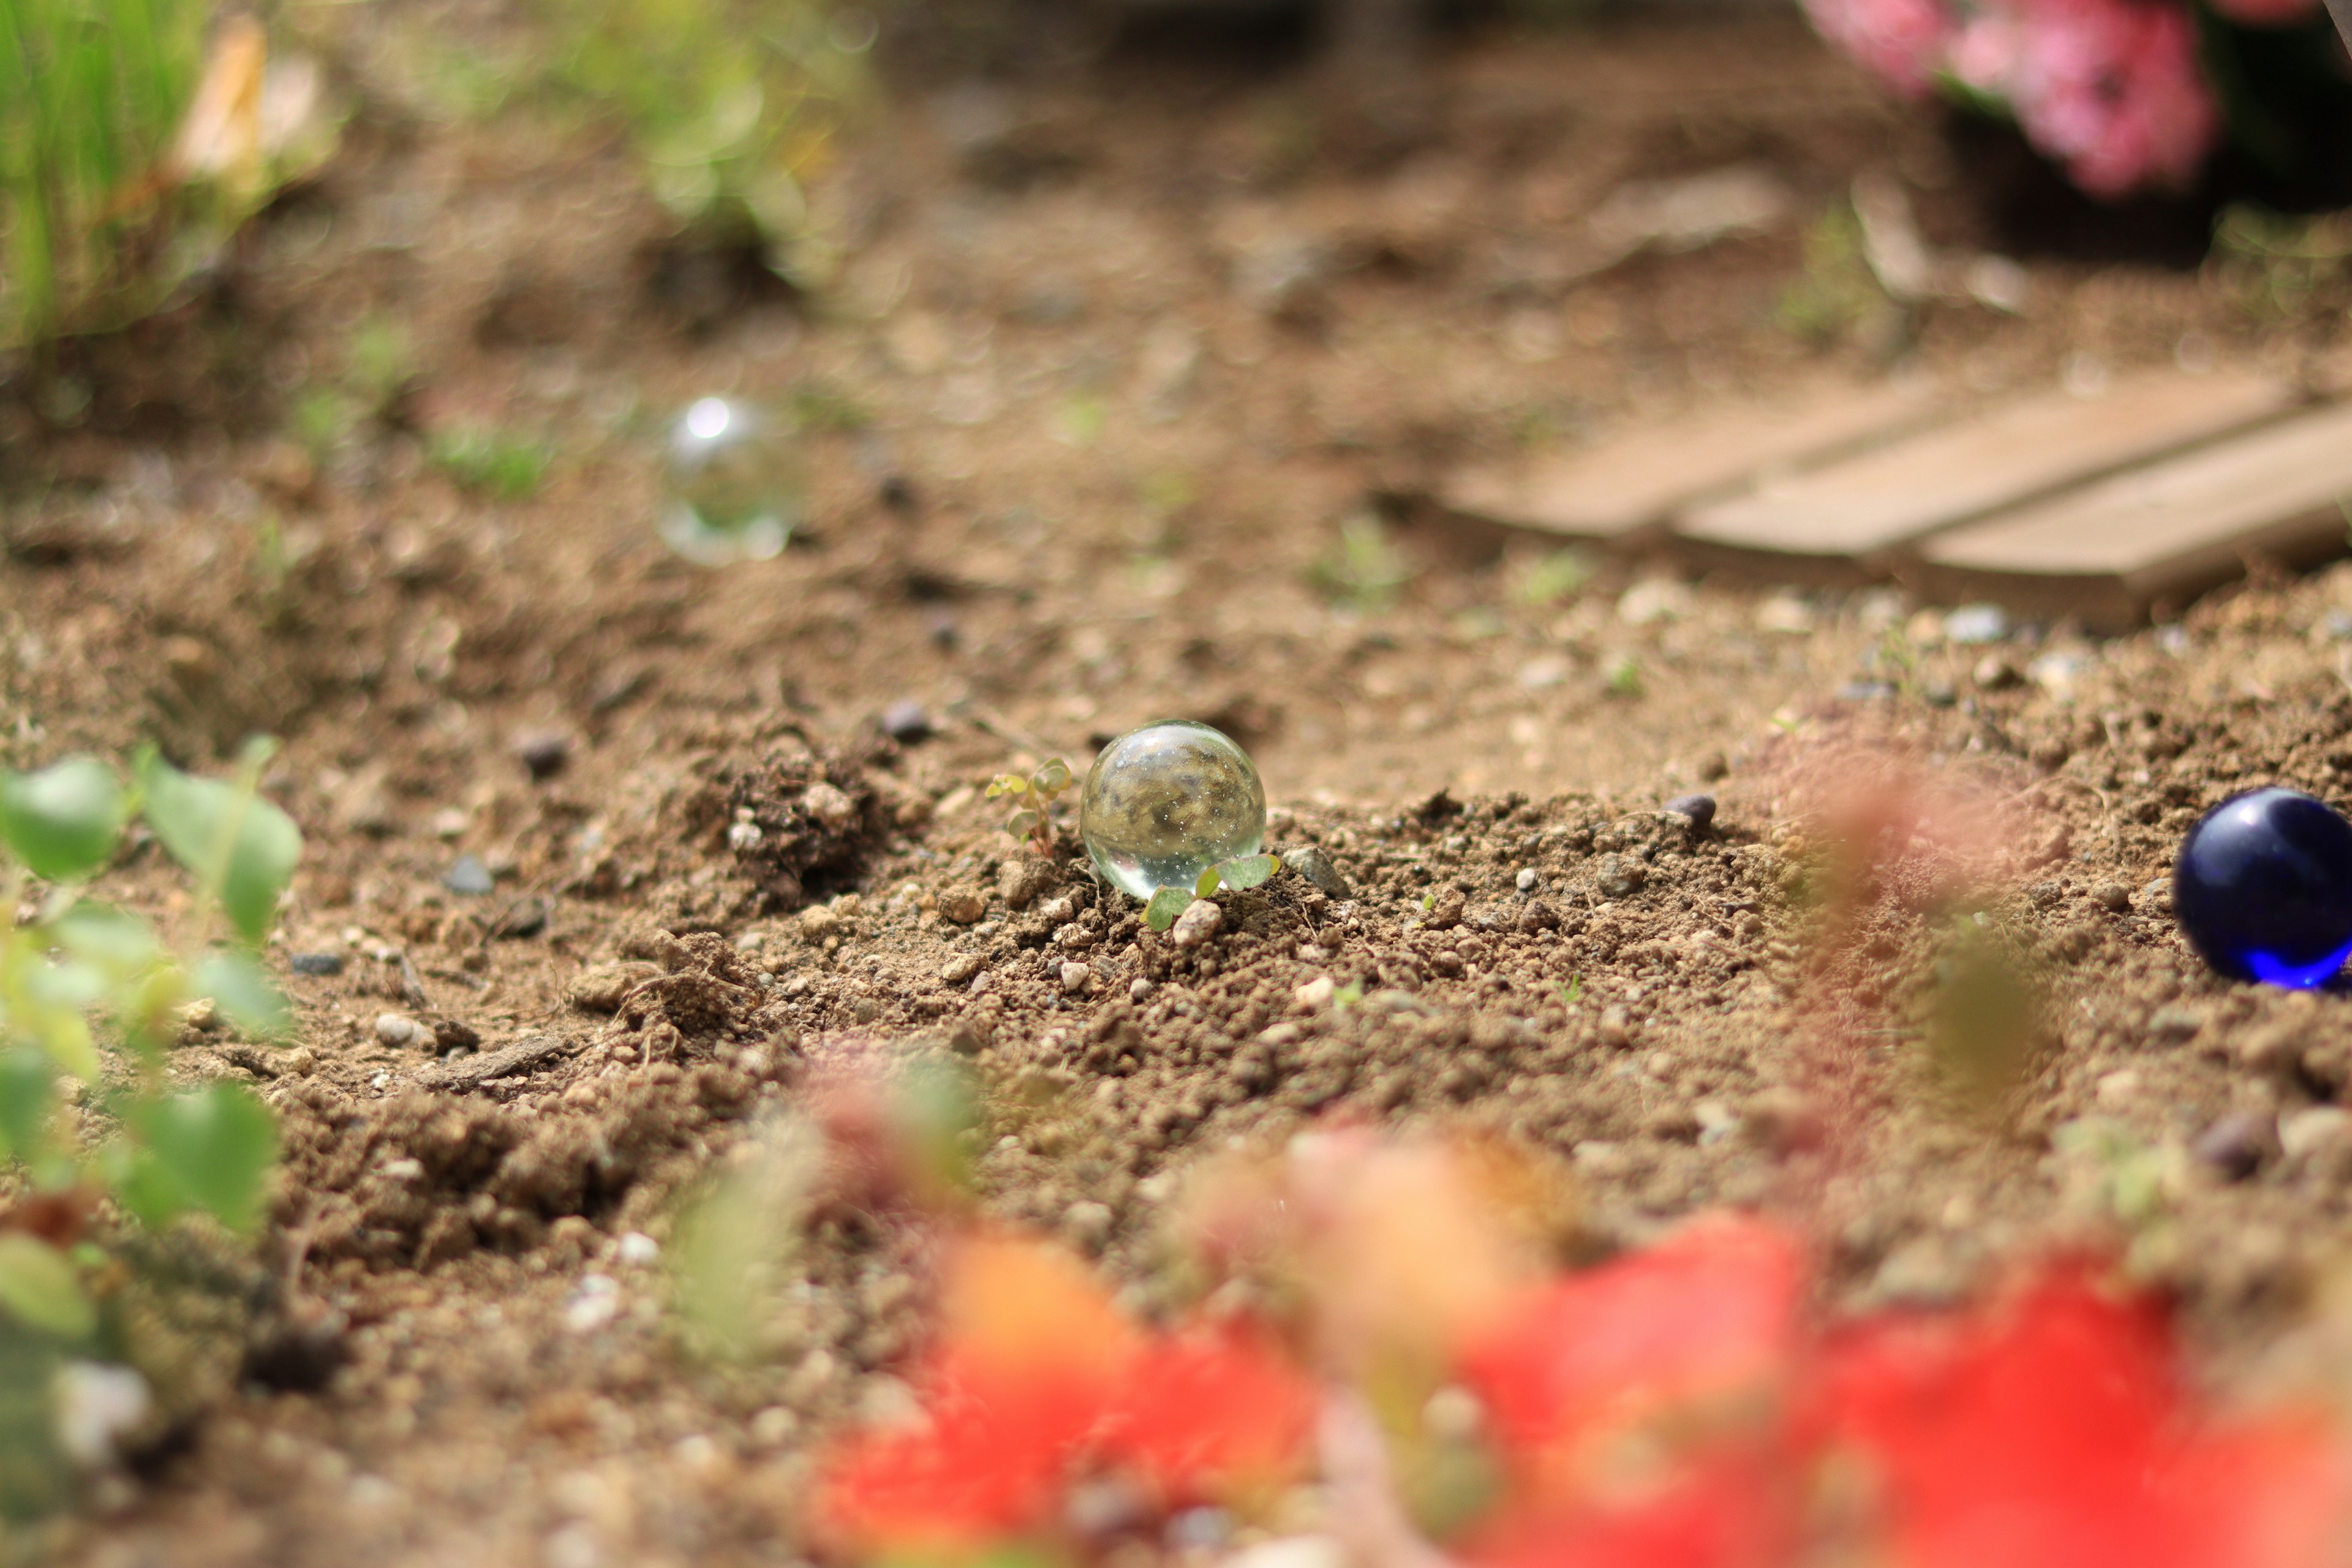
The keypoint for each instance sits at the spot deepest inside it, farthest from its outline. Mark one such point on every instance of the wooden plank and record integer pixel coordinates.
(2168, 532)
(1855, 513)
(1624, 487)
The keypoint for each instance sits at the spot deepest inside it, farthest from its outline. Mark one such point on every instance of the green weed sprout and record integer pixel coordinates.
(1240, 875)
(1033, 819)
(1363, 569)
(732, 105)
(164, 1154)
(1556, 577)
(493, 463)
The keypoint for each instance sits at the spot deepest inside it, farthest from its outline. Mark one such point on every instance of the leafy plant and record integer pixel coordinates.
(128, 155)
(1553, 578)
(1622, 676)
(164, 1154)
(1836, 292)
(490, 462)
(1240, 875)
(1033, 819)
(732, 105)
(1363, 569)
(2281, 268)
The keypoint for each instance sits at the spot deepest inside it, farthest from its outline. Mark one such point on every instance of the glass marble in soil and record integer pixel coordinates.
(1166, 802)
(2263, 888)
(732, 488)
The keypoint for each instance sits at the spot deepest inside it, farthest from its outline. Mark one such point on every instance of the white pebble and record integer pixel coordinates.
(97, 1405)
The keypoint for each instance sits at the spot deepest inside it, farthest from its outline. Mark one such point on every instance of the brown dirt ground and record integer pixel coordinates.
(1273, 340)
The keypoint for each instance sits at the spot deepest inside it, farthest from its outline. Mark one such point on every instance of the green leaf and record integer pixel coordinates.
(1248, 871)
(112, 940)
(27, 1089)
(1165, 906)
(1053, 778)
(39, 1289)
(63, 821)
(1021, 824)
(238, 846)
(246, 995)
(1207, 884)
(211, 1150)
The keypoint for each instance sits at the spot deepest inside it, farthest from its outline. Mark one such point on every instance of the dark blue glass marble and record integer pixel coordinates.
(2263, 888)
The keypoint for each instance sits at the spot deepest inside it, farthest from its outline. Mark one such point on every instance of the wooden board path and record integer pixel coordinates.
(2161, 485)
(2168, 532)
(1625, 491)
(1849, 516)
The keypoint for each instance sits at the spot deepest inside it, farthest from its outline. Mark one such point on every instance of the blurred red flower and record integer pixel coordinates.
(2053, 1430)
(1037, 1381)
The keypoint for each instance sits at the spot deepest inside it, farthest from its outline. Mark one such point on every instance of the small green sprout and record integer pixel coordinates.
(1240, 875)
(1557, 577)
(494, 463)
(1348, 995)
(1573, 992)
(1623, 676)
(1363, 569)
(1033, 819)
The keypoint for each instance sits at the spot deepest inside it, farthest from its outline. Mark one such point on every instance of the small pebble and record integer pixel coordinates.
(1197, 924)
(1977, 624)
(400, 1031)
(543, 753)
(2236, 1144)
(1994, 673)
(469, 878)
(2308, 1134)
(1316, 993)
(1087, 1223)
(906, 722)
(326, 964)
(956, 971)
(1316, 867)
(965, 906)
(2119, 1088)
(1698, 808)
(1075, 977)
(638, 1248)
(1138, 988)
(2112, 897)
(1528, 880)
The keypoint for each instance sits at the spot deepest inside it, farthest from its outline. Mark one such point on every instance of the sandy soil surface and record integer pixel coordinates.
(1089, 413)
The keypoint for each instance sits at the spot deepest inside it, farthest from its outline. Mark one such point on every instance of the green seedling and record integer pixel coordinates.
(81, 974)
(1554, 579)
(494, 463)
(730, 105)
(1033, 818)
(1362, 570)
(1623, 676)
(1240, 875)
(1573, 992)
(1837, 291)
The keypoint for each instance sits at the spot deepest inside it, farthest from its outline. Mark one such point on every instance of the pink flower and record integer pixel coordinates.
(1902, 41)
(2110, 89)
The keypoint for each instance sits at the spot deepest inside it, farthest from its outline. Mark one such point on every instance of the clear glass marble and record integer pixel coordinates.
(1168, 801)
(732, 483)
